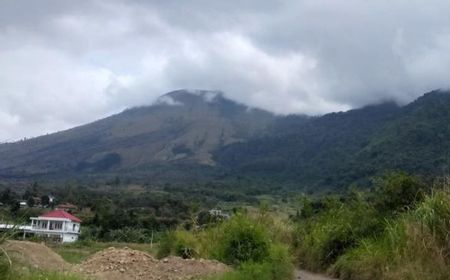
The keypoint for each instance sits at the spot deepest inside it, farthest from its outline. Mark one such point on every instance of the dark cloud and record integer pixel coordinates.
(64, 63)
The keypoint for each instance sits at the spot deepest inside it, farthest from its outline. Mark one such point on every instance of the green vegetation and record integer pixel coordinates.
(331, 152)
(395, 232)
(165, 144)
(9, 271)
(79, 251)
(244, 241)
(42, 275)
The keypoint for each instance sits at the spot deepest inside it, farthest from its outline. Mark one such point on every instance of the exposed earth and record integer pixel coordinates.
(35, 255)
(124, 263)
(305, 275)
(117, 264)
(114, 263)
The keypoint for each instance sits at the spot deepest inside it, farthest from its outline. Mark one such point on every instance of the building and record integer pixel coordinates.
(216, 213)
(68, 207)
(57, 225)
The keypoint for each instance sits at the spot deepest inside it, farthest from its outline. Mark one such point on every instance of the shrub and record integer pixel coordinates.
(398, 192)
(90, 233)
(413, 246)
(127, 234)
(280, 261)
(42, 275)
(320, 240)
(243, 240)
(277, 266)
(434, 213)
(180, 243)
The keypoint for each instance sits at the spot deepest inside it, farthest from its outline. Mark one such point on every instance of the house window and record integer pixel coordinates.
(58, 225)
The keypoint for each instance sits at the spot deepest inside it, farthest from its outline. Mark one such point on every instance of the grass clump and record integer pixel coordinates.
(397, 231)
(321, 239)
(79, 251)
(42, 275)
(415, 245)
(244, 242)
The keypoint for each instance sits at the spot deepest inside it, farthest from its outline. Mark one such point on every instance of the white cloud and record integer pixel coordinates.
(64, 63)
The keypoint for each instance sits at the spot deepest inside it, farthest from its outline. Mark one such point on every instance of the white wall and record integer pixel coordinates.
(69, 237)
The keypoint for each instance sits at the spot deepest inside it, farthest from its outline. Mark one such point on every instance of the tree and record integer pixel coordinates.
(30, 201)
(6, 196)
(31, 191)
(15, 206)
(397, 191)
(45, 200)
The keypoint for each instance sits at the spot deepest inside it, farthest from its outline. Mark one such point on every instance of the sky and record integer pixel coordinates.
(65, 63)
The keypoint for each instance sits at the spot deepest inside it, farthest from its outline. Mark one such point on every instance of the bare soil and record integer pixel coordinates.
(125, 263)
(113, 263)
(305, 275)
(35, 255)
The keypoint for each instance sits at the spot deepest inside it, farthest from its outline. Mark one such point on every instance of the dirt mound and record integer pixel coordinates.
(115, 264)
(35, 255)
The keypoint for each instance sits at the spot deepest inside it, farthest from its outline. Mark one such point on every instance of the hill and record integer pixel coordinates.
(338, 149)
(181, 128)
(203, 136)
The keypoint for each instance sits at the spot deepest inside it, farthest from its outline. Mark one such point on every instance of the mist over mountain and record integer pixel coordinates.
(202, 135)
(181, 127)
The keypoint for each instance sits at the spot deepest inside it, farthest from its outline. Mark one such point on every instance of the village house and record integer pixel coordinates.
(217, 213)
(57, 225)
(68, 207)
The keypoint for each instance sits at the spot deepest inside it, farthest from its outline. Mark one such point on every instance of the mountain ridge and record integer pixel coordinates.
(180, 126)
(202, 135)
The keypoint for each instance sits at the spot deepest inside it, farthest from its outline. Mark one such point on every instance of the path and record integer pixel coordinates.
(305, 275)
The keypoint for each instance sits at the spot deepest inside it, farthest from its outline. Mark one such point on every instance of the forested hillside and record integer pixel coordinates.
(204, 137)
(339, 149)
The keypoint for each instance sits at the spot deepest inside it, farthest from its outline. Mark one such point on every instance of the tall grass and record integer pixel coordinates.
(400, 230)
(245, 242)
(415, 245)
(320, 240)
(42, 275)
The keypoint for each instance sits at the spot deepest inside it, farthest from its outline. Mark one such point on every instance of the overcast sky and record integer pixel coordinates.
(65, 63)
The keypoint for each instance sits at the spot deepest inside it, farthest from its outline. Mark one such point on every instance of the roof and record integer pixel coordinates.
(66, 205)
(60, 214)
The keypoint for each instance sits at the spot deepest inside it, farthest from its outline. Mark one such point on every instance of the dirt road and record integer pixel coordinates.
(305, 275)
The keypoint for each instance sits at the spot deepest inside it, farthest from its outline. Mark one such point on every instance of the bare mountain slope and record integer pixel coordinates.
(182, 127)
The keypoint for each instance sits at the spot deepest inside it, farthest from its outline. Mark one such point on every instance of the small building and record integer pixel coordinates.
(23, 204)
(37, 201)
(57, 225)
(68, 207)
(217, 213)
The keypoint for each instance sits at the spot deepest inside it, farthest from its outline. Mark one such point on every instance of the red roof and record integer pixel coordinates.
(61, 214)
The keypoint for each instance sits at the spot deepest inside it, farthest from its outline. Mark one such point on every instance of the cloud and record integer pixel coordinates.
(65, 63)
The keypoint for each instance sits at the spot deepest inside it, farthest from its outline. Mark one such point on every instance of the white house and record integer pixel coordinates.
(57, 225)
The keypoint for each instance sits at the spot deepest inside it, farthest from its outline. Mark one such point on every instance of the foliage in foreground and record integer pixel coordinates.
(244, 242)
(382, 236)
(42, 275)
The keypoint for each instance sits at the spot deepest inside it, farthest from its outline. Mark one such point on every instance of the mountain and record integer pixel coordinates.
(202, 135)
(181, 127)
(338, 149)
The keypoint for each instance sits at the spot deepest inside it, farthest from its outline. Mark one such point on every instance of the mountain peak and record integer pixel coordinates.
(188, 96)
